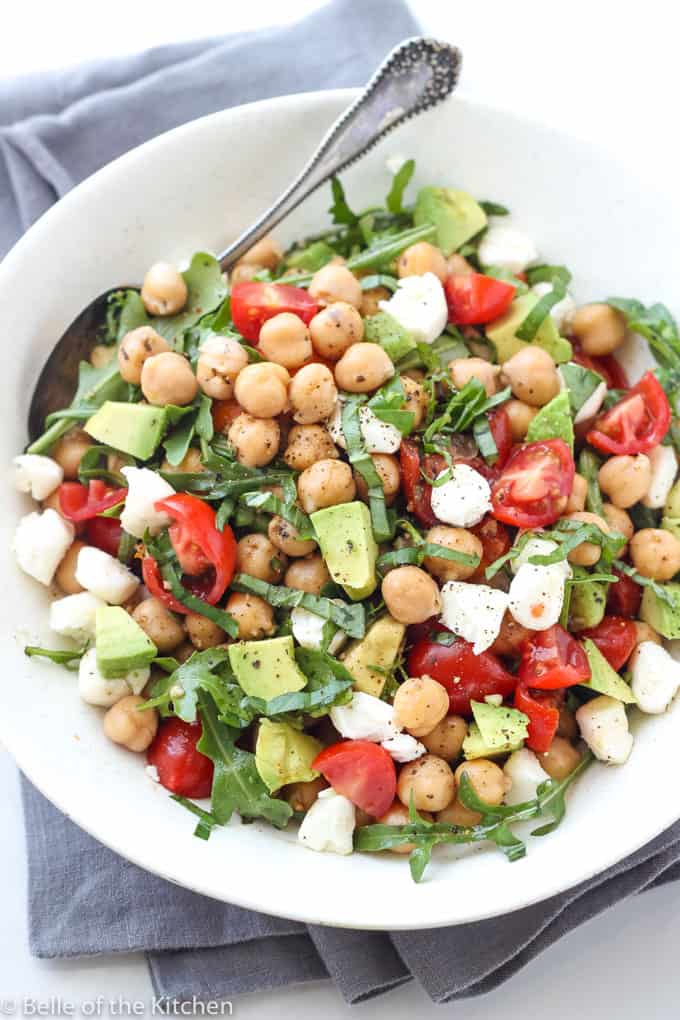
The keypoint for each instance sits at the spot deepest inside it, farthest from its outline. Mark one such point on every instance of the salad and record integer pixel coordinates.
(375, 536)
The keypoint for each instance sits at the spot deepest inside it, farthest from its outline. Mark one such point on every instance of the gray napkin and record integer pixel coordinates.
(55, 130)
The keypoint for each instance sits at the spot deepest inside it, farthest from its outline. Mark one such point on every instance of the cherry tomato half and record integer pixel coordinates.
(474, 299)
(253, 303)
(615, 637)
(624, 597)
(638, 422)
(464, 675)
(418, 493)
(495, 543)
(361, 771)
(223, 414)
(104, 533)
(535, 484)
(552, 659)
(543, 710)
(605, 365)
(83, 502)
(499, 424)
(182, 769)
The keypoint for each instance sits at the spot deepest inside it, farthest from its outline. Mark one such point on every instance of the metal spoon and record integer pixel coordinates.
(417, 74)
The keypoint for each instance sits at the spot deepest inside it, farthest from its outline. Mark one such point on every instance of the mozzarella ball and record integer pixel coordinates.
(462, 370)
(254, 616)
(587, 553)
(69, 452)
(532, 376)
(255, 440)
(167, 379)
(285, 340)
(335, 283)
(258, 556)
(265, 254)
(40, 543)
(309, 574)
(159, 624)
(463, 499)
(284, 536)
(203, 633)
(364, 367)
(536, 595)
(419, 705)
(655, 553)
(96, 689)
(135, 348)
(521, 415)
(65, 574)
(313, 394)
(421, 258)
(625, 479)
(429, 780)
(599, 328)
(37, 475)
(655, 677)
(164, 291)
(126, 725)
(445, 740)
(262, 389)
(411, 596)
(504, 245)
(145, 489)
(604, 727)
(398, 814)
(458, 539)
(577, 497)
(220, 359)
(387, 467)
(105, 576)
(525, 772)
(560, 759)
(326, 483)
(334, 329)
(306, 445)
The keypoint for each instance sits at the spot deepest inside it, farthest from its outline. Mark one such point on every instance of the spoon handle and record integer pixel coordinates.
(416, 75)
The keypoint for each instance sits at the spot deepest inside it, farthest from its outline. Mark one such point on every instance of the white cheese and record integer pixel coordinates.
(329, 824)
(419, 306)
(365, 718)
(74, 616)
(525, 773)
(536, 595)
(463, 499)
(592, 405)
(506, 246)
(403, 747)
(145, 487)
(41, 541)
(537, 546)
(655, 678)
(105, 576)
(664, 469)
(604, 727)
(563, 311)
(308, 630)
(39, 476)
(379, 436)
(96, 689)
(474, 612)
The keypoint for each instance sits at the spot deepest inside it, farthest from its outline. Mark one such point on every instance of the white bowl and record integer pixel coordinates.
(196, 188)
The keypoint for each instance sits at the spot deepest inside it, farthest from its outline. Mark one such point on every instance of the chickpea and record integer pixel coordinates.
(190, 463)
(397, 814)
(625, 479)
(261, 390)
(101, 355)
(285, 340)
(532, 376)
(457, 814)
(124, 724)
(243, 272)
(446, 739)
(167, 379)
(387, 467)
(309, 574)
(416, 399)
(254, 616)
(655, 553)
(135, 348)
(646, 633)
(599, 328)
(301, 796)
(521, 416)
(452, 538)
(462, 370)
(430, 780)
(422, 258)
(458, 266)
(567, 726)
(577, 498)
(326, 483)
(258, 556)
(587, 553)
(618, 520)
(362, 368)
(488, 781)
(65, 574)
(313, 394)
(203, 633)
(370, 303)
(420, 704)
(511, 637)
(159, 624)
(256, 440)
(220, 360)
(70, 450)
(335, 283)
(560, 759)
(307, 444)
(334, 329)
(411, 596)
(284, 536)
(265, 254)
(164, 291)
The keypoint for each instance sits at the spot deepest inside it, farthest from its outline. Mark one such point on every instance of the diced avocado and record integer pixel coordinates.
(499, 726)
(384, 329)
(266, 669)
(502, 332)
(284, 755)
(121, 643)
(455, 214)
(136, 429)
(553, 421)
(380, 647)
(603, 678)
(662, 617)
(671, 524)
(311, 258)
(588, 601)
(474, 746)
(672, 507)
(348, 547)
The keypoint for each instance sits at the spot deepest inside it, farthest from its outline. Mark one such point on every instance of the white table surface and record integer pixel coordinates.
(605, 70)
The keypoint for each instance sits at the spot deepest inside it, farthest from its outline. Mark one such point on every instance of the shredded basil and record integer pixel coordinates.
(360, 459)
(271, 504)
(588, 468)
(64, 657)
(350, 618)
(540, 312)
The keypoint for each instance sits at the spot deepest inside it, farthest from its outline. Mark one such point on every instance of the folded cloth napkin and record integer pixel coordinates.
(55, 130)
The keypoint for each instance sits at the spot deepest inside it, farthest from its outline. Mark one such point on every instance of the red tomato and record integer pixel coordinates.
(542, 707)
(495, 543)
(637, 423)
(474, 299)
(418, 493)
(499, 423)
(104, 533)
(535, 484)
(83, 502)
(605, 365)
(182, 769)
(624, 597)
(361, 771)
(615, 637)
(253, 303)
(552, 659)
(223, 414)
(464, 675)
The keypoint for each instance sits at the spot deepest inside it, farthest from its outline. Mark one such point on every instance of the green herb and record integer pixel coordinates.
(660, 590)
(548, 274)
(395, 198)
(388, 404)
(340, 210)
(206, 292)
(507, 276)
(195, 604)
(197, 673)
(415, 554)
(361, 461)
(528, 329)
(379, 280)
(64, 657)
(580, 382)
(588, 468)
(126, 547)
(569, 534)
(660, 329)
(271, 504)
(311, 258)
(207, 821)
(485, 440)
(93, 464)
(350, 618)
(463, 408)
(125, 311)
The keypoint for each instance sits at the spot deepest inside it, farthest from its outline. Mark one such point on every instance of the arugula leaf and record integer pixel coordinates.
(660, 329)
(310, 258)
(350, 618)
(400, 181)
(62, 656)
(197, 673)
(93, 464)
(206, 292)
(204, 422)
(206, 821)
(360, 459)
(494, 208)
(340, 210)
(125, 311)
(177, 442)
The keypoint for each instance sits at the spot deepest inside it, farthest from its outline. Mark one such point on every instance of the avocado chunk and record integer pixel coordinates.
(588, 601)
(379, 647)
(384, 329)
(474, 746)
(658, 614)
(311, 258)
(136, 429)
(671, 512)
(603, 678)
(499, 726)
(455, 214)
(284, 755)
(502, 333)
(121, 643)
(671, 524)
(553, 421)
(266, 669)
(347, 545)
